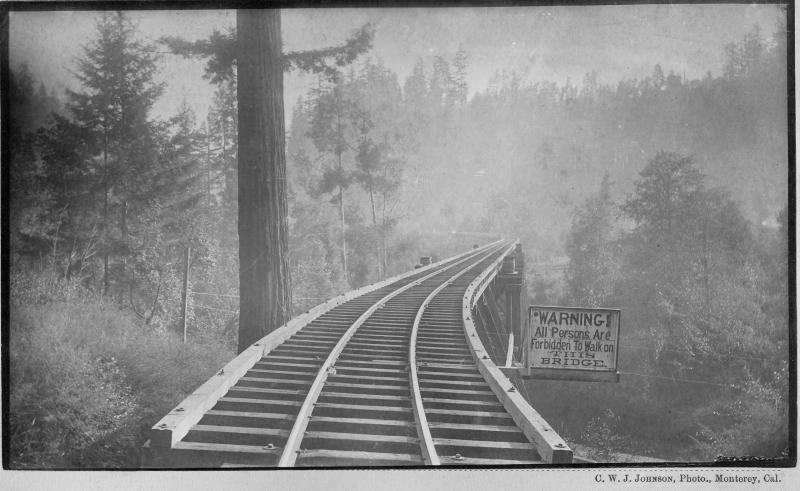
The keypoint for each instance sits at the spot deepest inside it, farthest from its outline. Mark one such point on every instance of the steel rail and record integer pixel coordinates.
(174, 426)
(427, 446)
(292, 446)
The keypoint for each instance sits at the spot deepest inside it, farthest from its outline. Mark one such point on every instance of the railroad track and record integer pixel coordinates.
(391, 376)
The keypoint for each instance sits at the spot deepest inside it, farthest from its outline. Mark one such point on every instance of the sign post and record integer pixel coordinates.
(570, 343)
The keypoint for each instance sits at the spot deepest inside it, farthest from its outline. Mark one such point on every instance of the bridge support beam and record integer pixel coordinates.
(511, 281)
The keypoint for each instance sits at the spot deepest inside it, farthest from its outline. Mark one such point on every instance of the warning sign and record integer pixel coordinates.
(572, 338)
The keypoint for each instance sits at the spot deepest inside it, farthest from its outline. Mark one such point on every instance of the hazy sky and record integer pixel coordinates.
(541, 43)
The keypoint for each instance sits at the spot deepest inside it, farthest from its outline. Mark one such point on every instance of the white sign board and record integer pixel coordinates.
(569, 338)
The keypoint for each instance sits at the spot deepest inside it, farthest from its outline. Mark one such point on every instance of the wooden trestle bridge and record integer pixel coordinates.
(401, 372)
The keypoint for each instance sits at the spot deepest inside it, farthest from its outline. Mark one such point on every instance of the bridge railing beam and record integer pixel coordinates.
(551, 447)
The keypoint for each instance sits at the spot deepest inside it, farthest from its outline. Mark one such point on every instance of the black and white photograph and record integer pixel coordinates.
(477, 236)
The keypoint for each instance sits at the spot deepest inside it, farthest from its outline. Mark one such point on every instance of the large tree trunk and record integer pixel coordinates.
(264, 281)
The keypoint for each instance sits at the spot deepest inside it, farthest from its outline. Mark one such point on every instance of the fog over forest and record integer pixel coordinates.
(658, 186)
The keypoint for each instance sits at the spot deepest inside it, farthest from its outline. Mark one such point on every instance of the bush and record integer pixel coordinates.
(753, 424)
(87, 379)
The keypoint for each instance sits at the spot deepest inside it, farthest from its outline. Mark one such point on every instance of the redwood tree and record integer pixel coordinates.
(265, 283)
(251, 58)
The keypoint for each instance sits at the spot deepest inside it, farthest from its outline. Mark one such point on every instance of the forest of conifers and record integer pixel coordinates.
(664, 197)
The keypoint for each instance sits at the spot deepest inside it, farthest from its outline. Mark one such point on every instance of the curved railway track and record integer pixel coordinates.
(389, 376)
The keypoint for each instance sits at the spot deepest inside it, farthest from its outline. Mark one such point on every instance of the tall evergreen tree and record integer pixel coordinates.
(315, 258)
(116, 72)
(30, 200)
(415, 87)
(376, 100)
(181, 183)
(415, 103)
(223, 129)
(332, 132)
(440, 87)
(225, 53)
(460, 87)
(593, 265)
(67, 176)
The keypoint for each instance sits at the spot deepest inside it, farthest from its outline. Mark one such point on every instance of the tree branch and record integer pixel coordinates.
(327, 60)
(220, 52)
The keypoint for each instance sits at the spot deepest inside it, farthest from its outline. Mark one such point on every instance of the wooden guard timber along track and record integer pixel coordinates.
(389, 375)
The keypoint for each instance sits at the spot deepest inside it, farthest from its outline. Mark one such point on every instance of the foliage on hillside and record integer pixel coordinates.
(704, 345)
(88, 379)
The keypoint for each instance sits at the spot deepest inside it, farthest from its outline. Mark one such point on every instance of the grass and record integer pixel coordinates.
(87, 379)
